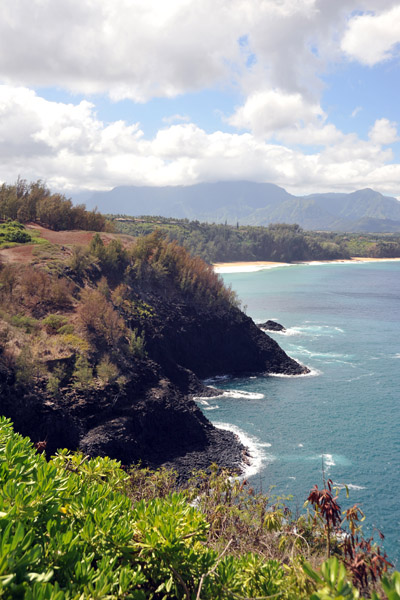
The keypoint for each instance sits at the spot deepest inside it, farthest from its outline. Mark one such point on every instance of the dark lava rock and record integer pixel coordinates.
(152, 418)
(272, 326)
(150, 422)
(209, 344)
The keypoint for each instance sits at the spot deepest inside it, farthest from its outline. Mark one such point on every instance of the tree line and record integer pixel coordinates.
(34, 202)
(278, 242)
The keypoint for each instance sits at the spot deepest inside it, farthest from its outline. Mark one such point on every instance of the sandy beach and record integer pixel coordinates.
(258, 265)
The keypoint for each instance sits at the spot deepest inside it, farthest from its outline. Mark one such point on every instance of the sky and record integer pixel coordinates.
(300, 93)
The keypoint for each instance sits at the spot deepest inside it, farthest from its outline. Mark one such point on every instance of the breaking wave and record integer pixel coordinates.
(257, 454)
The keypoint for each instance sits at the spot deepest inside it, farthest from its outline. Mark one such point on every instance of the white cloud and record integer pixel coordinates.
(125, 48)
(266, 112)
(68, 146)
(383, 132)
(290, 118)
(373, 38)
(143, 49)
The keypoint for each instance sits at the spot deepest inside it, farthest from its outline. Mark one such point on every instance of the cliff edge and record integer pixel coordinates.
(101, 349)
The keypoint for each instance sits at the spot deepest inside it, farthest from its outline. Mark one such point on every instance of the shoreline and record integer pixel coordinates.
(259, 265)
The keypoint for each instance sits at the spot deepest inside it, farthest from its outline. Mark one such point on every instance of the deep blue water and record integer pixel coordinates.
(344, 323)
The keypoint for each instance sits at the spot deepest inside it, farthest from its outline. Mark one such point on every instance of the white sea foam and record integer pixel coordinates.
(313, 373)
(353, 261)
(258, 456)
(203, 400)
(306, 330)
(325, 357)
(328, 461)
(290, 331)
(287, 332)
(350, 486)
(361, 377)
(211, 407)
(317, 330)
(243, 394)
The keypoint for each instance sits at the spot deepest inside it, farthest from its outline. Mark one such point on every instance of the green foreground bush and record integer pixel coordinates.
(70, 528)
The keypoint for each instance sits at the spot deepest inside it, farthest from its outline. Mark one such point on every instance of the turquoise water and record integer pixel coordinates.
(343, 322)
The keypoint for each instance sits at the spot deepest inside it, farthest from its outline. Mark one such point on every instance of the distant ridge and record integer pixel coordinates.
(251, 203)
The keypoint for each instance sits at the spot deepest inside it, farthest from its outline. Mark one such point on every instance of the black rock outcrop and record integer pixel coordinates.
(152, 418)
(271, 326)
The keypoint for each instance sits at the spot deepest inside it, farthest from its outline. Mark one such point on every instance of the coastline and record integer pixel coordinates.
(260, 265)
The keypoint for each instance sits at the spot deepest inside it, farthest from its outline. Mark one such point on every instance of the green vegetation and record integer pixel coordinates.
(34, 202)
(12, 233)
(279, 242)
(91, 314)
(76, 528)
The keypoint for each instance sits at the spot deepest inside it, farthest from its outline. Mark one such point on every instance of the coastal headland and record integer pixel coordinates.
(102, 347)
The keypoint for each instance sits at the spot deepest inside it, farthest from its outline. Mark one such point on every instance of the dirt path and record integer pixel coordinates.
(24, 253)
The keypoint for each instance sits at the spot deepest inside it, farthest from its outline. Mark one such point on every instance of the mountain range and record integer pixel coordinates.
(250, 203)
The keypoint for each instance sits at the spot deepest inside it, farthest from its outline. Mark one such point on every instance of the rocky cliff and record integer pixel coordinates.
(146, 414)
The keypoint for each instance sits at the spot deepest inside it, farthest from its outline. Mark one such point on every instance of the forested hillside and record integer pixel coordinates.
(280, 242)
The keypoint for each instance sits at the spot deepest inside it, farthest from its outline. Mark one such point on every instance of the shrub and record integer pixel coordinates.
(112, 257)
(137, 344)
(66, 329)
(69, 531)
(39, 290)
(53, 323)
(120, 294)
(14, 232)
(80, 260)
(104, 288)
(107, 371)
(27, 369)
(101, 322)
(55, 379)
(75, 342)
(83, 373)
(60, 293)
(28, 324)
(8, 281)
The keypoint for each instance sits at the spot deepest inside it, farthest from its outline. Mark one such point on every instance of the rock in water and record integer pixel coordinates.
(272, 326)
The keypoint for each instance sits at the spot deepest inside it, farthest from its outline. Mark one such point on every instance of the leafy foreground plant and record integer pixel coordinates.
(70, 531)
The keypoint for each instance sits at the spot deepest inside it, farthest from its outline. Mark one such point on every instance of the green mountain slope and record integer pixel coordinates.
(252, 203)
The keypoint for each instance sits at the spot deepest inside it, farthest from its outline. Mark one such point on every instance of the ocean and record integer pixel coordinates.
(343, 322)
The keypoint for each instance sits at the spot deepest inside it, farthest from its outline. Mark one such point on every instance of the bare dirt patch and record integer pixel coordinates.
(27, 253)
(77, 237)
(63, 238)
(18, 254)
